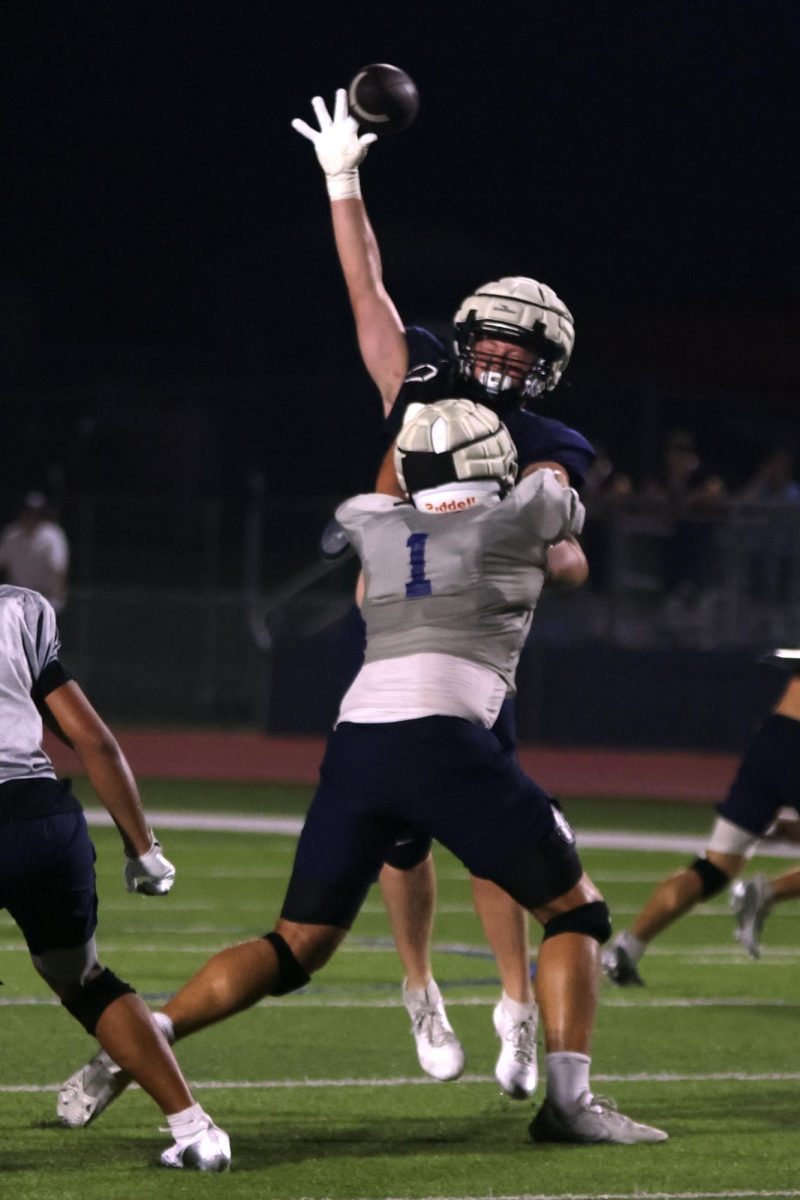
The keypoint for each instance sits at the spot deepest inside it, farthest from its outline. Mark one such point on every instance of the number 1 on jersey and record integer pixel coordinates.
(417, 585)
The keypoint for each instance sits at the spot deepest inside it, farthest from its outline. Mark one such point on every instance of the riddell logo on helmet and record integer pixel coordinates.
(449, 505)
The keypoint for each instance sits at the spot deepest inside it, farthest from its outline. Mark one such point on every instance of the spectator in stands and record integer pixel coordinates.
(774, 494)
(686, 492)
(34, 551)
(605, 491)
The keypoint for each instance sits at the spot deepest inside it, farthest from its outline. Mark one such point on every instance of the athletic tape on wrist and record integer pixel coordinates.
(345, 186)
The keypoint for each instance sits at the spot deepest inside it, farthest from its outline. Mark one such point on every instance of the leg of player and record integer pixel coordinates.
(752, 901)
(516, 1015)
(133, 1044)
(675, 896)
(567, 980)
(671, 899)
(231, 981)
(409, 893)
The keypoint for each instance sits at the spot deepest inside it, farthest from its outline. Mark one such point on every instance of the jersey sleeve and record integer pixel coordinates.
(423, 346)
(423, 384)
(354, 514)
(542, 439)
(42, 645)
(548, 509)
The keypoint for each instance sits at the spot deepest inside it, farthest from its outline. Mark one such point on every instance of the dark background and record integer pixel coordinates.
(171, 313)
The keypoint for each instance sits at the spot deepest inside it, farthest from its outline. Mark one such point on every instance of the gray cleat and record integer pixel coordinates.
(619, 967)
(90, 1090)
(593, 1120)
(751, 902)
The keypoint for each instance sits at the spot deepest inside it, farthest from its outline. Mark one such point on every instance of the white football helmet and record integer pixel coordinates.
(522, 311)
(451, 442)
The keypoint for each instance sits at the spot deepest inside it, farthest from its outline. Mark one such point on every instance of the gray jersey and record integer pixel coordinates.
(464, 583)
(28, 644)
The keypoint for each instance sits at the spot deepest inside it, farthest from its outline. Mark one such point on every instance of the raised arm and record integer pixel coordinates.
(379, 328)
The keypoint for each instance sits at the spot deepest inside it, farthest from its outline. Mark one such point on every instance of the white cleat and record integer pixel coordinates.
(88, 1092)
(751, 902)
(438, 1049)
(516, 1069)
(591, 1121)
(210, 1151)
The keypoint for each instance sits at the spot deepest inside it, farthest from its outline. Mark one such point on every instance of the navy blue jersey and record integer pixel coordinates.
(537, 439)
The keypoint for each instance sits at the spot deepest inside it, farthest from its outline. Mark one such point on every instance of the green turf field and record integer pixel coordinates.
(321, 1092)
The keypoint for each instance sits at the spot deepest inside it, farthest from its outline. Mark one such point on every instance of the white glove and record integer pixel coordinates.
(151, 874)
(338, 146)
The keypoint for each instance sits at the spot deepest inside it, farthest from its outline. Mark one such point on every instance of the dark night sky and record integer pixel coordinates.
(160, 217)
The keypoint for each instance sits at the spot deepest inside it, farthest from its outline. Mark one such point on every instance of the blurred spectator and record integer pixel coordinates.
(34, 551)
(604, 492)
(773, 482)
(604, 486)
(686, 492)
(774, 494)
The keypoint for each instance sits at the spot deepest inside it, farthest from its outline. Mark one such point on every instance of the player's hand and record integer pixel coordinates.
(150, 874)
(337, 143)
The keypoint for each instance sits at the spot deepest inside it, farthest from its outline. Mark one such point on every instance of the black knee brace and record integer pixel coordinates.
(593, 920)
(409, 852)
(292, 975)
(712, 879)
(94, 998)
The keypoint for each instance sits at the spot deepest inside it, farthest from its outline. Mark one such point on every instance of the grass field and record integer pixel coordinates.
(321, 1092)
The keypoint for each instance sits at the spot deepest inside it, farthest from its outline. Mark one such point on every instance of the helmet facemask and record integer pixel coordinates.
(492, 375)
(520, 312)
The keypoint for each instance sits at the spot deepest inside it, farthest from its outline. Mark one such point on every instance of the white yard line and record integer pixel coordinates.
(738, 1194)
(596, 839)
(453, 1001)
(264, 1085)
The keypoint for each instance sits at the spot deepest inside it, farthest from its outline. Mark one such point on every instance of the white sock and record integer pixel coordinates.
(567, 1077)
(420, 995)
(634, 947)
(188, 1124)
(517, 1010)
(165, 1025)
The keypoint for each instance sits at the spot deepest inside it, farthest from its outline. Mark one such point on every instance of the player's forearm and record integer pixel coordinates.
(379, 327)
(357, 247)
(113, 781)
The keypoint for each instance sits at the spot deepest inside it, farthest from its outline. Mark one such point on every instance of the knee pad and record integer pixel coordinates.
(592, 920)
(94, 998)
(291, 974)
(712, 879)
(409, 852)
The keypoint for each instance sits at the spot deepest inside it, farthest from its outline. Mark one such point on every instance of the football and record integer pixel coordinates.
(383, 98)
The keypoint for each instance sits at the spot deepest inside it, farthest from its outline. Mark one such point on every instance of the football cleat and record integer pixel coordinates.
(438, 1049)
(619, 967)
(516, 1069)
(751, 902)
(88, 1092)
(210, 1151)
(592, 1120)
